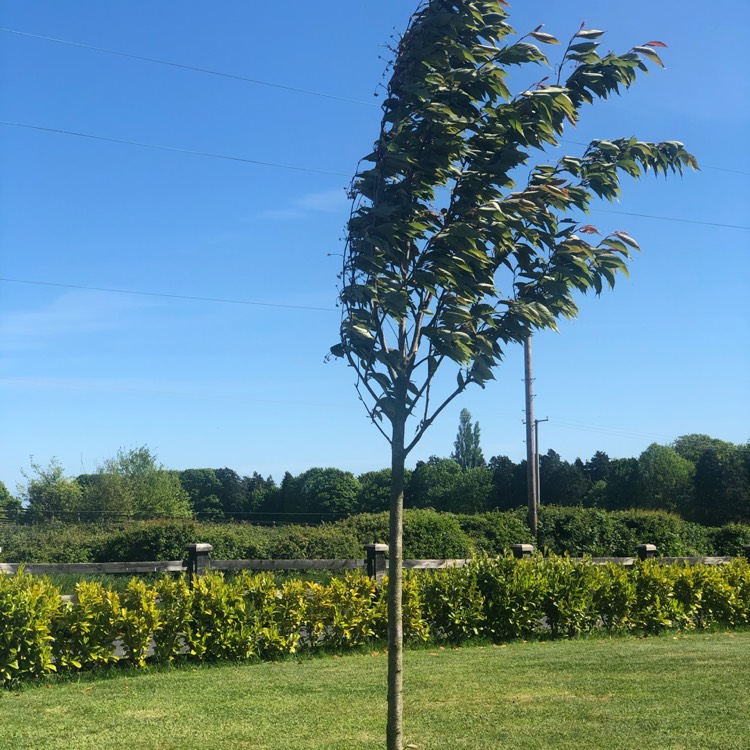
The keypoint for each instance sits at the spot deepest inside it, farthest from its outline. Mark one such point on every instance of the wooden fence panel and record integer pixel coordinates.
(287, 564)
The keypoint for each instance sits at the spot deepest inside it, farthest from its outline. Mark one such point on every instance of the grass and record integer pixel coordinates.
(669, 693)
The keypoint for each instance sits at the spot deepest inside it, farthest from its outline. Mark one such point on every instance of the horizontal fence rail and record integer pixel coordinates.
(198, 562)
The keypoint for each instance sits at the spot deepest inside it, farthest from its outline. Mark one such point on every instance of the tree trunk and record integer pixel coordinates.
(395, 732)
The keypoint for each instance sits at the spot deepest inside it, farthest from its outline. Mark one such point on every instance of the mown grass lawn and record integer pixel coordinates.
(669, 693)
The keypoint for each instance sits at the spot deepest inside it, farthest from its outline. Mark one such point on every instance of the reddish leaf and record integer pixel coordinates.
(654, 44)
(588, 229)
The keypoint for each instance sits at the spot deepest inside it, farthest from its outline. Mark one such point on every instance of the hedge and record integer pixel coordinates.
(427, 534)
(251, 617)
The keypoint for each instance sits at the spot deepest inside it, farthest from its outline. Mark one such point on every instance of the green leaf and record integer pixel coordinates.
(590, 33)
(544, 38)
(648, 52)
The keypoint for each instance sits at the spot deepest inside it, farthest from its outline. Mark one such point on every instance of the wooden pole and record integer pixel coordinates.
(530, 442)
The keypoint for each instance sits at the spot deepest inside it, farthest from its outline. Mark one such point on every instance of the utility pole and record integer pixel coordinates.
(536, 462)
(531, 472)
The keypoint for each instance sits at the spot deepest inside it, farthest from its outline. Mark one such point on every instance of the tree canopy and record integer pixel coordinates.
(446, 262)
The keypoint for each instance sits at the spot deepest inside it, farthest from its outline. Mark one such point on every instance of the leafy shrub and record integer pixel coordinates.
(583, 531)
(327, 541)
(341, 614)
(50, 542)
(568, 599)
(613, 593)
(453, 603)
(427, 533)
(28, 606)
(494, 533)
(152, 540)
(139, 620)
(415, 625)
(655, 607)
(729, 539)
(217, 626)
(175, 601)
(85, 629)
(513, 592)
(672, 535)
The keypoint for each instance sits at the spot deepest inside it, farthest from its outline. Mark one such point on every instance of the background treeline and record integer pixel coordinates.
(701, 478)
(427, 534)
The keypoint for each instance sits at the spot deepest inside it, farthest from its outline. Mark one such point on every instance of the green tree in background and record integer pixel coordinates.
(48, 494)
(375, 490)
(561, 483)
(446, 263)
(203, 488)
(323, 491)
(722, 485)
(467, 451)
(693, 446)
(665, 480)
(133, 483)
(9, 505)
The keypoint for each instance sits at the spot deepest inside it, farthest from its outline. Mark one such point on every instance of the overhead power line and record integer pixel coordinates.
(671, 218)
(168, 296)
(257, 81)
(301, 169)
(193, 68)
(171, 148)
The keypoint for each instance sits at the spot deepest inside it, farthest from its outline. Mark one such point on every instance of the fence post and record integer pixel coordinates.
(746, 548)
(521, 550)
(198, 561)
(645, 551)
(376, 560)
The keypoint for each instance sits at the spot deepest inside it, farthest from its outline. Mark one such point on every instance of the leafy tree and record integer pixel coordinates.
(509, 483)
(432, 483)
(445, 262)
(49, 494)
(262, 493)
(232, 493)
(9, 505)
(467, 450)
(693, 446)
(622, 484)
(203, 486)
(561, 483)
(106, 493)
(375, 490)
(134, 483)
(441, 484)
(665, 479)
(722, 486)
(597, 467)
(324, 491)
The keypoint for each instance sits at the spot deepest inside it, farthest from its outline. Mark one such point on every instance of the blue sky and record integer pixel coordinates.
(204, 383)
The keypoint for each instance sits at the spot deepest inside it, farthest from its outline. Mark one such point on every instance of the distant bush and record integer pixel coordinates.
(729, 539)
(149, 540)
(494, 533)
(427, 533)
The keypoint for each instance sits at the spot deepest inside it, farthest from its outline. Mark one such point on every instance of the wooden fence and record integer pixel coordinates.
(199, 561)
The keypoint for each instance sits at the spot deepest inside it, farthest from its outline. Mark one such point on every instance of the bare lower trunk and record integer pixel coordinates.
(395, 736)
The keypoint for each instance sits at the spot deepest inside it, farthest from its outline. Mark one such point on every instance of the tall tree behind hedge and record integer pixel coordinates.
(467, 451)
(445, 262)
